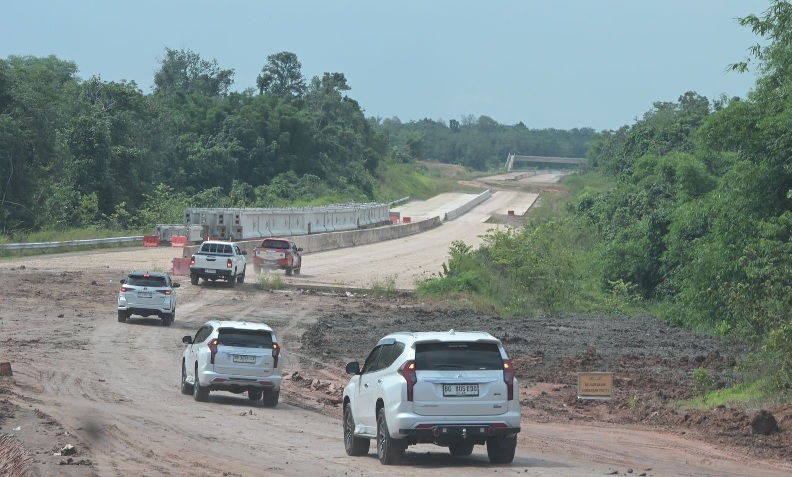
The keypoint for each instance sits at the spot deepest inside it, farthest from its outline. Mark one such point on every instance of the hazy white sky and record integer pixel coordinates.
(548, 63)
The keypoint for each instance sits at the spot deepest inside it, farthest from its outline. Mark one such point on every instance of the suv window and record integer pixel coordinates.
(371, 361)
(389, 354)
(244, 338)
(279, 244)
(457, 355)
(146, 281)
(202, 334)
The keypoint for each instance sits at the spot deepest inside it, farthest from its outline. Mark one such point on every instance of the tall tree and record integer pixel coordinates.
(183, 72)
(282, 76)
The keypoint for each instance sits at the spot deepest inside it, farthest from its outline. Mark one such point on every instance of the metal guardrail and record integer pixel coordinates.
(69, 243)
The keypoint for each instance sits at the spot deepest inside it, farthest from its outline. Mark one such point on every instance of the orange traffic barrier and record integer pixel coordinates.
(151, 240)
(406, 220)
(181, 267)
(178, 241)
(394, 220)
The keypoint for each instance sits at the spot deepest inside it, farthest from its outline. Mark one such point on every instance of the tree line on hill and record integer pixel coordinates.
(91, 153)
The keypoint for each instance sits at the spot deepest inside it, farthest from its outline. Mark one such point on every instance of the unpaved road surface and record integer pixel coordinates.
(111, 390)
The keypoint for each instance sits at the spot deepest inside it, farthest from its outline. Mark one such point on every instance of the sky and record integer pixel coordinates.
(559, 64)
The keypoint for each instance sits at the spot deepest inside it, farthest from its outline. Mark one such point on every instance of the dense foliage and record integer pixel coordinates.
(92, 153)
(698, 222)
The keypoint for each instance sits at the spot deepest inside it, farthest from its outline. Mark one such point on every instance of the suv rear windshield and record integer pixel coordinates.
(144, 281)
(244, 338)
(279, 244)
(457, 356)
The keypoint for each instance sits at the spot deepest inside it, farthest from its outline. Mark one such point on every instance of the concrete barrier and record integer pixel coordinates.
(181, 267)
(460, 211)
(343, 239)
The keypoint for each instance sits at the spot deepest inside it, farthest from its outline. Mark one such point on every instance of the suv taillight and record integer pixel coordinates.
(213, 349)
(229, 263)
(508, 377)
(164, 292)
(407, 371)
(275, 354)
(192, 260)
(126, 288)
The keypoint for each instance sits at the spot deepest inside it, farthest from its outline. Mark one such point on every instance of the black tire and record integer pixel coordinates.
(241, 278)
(500, 450)
(463, 448)
(168, 319)
(186, 388)
(297, 271)
(194, 279)
(231, 281)
(122, 316)
(270, 397)
(354, 446)
(389, 450)
(254, 394)
(200, 393)
(289, 271)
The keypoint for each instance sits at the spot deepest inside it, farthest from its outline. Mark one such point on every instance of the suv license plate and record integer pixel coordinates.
(460, 390)
(241, 358)
(209, 271)
(144, 294)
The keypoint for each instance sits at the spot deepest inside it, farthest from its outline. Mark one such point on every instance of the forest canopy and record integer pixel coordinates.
(91, 153)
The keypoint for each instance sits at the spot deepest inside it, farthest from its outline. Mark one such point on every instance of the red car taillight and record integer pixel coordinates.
(213, 349)
(229, 263)
(407, 371)
(126, 289)
(508, 377)
(164, 292)
(192, 260)
(275, 354)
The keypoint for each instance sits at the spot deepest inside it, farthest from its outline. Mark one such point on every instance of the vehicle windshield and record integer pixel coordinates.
(457, 356)
(144, 281)
(244, 338)
(279, 244)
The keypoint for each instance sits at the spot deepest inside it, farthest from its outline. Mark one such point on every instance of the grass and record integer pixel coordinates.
(384, 287)
(417, 181)
(746, 394)
(269, 282)
(64, 236)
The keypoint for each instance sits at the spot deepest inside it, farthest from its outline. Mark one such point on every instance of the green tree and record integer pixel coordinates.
(282, 76)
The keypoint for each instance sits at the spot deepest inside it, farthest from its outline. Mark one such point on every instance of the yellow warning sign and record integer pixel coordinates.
(595, 385)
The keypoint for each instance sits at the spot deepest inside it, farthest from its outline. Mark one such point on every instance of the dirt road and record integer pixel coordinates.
(111, 389)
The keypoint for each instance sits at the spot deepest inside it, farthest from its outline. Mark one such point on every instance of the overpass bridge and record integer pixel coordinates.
(570, 161)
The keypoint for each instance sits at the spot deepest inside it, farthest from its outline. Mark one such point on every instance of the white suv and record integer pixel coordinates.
(147, 293)
(452, 389)
(232, 356)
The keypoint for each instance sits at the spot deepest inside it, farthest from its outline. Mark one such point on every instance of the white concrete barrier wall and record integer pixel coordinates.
(335, 240)
(462, 210)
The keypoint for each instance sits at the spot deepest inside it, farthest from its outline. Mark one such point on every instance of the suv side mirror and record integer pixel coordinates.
(299, 249)
(175, 285)
(122, 281)
(353, 368)
(187, 339)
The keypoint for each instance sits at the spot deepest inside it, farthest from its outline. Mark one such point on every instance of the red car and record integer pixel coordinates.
(279, 253)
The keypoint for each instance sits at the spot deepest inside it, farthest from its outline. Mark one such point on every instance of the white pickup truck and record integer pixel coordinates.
(217, 260)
